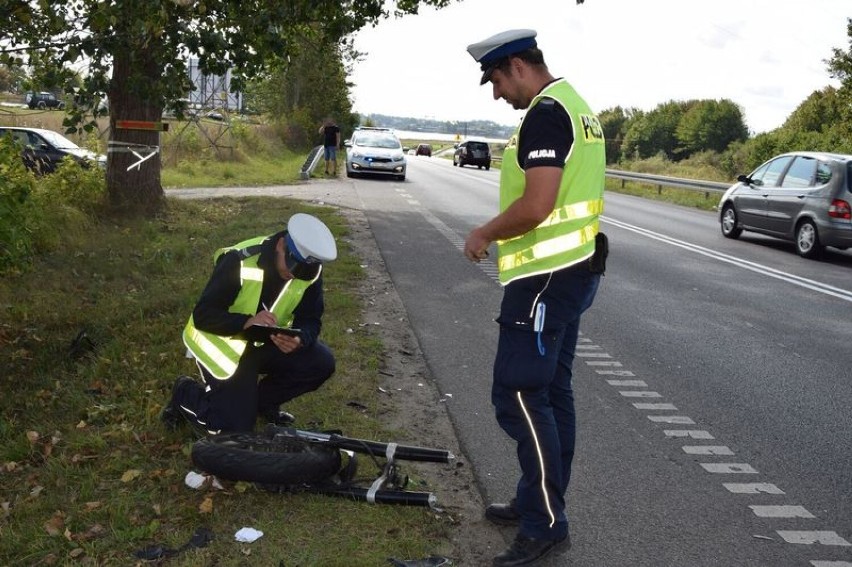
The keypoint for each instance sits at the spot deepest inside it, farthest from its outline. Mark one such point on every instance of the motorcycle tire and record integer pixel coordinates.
(264, 458)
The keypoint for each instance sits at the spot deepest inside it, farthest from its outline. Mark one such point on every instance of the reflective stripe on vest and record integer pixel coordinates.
(548, 248)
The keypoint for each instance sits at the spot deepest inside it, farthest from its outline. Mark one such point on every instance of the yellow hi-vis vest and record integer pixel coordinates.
(220, 355)
(567, 236)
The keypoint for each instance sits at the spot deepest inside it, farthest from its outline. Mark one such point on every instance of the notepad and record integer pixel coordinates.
(261, 333)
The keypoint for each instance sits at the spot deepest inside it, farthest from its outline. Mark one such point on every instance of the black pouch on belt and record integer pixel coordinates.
(597, 263)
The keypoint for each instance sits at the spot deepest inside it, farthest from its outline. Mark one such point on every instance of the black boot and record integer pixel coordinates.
(503, 514)
(171, 415)
(527, 550)
(278, 416)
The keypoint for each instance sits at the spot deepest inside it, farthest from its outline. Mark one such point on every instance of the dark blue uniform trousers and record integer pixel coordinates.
(233, 404)
(531, 392)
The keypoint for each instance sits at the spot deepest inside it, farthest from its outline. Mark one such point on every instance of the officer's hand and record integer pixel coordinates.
(263, 318)
(476, 246)
(286, 343)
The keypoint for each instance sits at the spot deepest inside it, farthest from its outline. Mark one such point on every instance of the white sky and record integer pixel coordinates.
(766, 56)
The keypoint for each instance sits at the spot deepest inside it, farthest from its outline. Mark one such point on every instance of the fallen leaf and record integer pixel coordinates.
(206, 507)
(32, 436)
(76, 552)
(94, 531)
(131, 475)
(55, 524)
(94, 505)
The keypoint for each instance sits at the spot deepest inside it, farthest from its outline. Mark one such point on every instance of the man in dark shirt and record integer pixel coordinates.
(331, 140)
(268, 281)
(550, 264)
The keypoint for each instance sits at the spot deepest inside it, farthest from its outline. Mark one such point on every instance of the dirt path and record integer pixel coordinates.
(414, 404)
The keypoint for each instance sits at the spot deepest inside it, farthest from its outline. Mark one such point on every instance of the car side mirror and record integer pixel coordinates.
(347, 143)
(744, 179)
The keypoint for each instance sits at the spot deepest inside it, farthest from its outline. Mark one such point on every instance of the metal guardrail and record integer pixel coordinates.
(661, 181)
(311, 162)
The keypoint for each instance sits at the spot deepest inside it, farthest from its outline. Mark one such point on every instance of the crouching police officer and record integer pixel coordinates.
(269, 281)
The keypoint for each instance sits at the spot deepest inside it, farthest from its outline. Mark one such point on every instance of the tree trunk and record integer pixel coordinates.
(134, 189)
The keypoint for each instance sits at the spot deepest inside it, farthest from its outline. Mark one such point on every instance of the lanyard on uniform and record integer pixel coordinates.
(538, 326)
(537, 313)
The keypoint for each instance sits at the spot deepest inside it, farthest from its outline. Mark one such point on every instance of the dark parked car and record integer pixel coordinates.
(44, 100)
(43, 150)
(423, 150)
(473, 152)
(799, 196)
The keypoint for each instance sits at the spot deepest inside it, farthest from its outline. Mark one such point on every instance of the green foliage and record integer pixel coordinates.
(90, 474)
(37, 214)
(613, 121)
(821, 111)
(253, 169)
(136, 52)
(710, 125)
(311, 86)
(655, 131)
(16, 187)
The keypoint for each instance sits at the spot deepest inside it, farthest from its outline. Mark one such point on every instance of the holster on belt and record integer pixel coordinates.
(597, 263)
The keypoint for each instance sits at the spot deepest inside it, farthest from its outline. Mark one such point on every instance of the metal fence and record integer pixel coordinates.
(660, 181)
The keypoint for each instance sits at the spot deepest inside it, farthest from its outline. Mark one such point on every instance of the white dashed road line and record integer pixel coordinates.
(604, 364)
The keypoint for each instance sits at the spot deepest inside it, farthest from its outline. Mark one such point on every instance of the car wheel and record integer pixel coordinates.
(807, 240)
(455, 163)
(729, 222)
(41, 105)
(487, 167)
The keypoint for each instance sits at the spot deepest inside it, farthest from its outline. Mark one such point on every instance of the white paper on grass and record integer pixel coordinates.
(247, 535)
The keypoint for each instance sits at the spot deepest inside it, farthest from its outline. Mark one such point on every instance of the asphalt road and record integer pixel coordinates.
(713, 378)
(712, 382)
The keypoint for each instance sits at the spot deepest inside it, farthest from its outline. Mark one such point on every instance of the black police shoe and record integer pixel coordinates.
(278, 417)
(527, 550)
(171, 415)
(503, 514)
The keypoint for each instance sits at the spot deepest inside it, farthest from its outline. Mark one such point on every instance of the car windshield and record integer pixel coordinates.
(478, 146)
(58, 140)
(377, 140)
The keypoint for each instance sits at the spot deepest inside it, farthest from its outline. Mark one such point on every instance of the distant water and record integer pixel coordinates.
(438, 137)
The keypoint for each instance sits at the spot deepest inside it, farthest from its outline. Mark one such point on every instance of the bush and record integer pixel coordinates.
(38, 214)
(16, 187)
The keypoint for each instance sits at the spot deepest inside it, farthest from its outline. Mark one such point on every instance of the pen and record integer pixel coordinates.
(265, 307)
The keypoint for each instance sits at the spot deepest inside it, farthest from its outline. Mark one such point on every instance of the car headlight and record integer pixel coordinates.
(398, 157)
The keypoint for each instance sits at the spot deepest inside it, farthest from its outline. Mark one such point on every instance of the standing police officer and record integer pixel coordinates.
(269, 281)
(550, 260)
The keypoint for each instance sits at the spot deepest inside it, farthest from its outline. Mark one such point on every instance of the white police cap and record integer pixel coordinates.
(491, 51)
(311, 238)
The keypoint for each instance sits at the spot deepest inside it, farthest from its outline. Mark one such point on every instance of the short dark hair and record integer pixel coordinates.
(532, 56)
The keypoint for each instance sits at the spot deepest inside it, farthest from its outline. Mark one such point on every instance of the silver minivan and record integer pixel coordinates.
(803, 197)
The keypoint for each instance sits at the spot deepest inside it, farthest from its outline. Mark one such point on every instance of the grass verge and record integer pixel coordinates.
(87, 472)
(706, 201)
